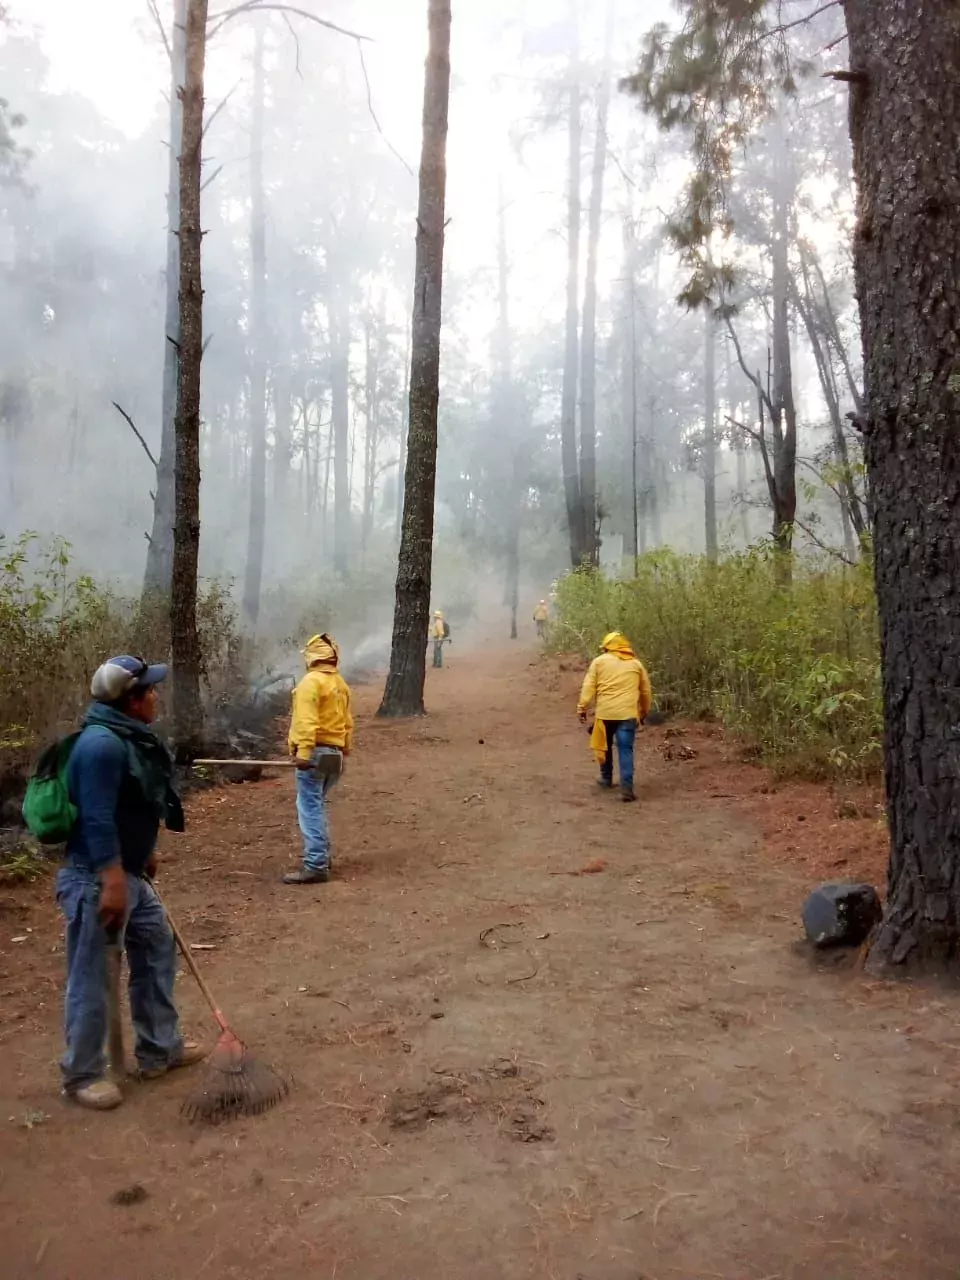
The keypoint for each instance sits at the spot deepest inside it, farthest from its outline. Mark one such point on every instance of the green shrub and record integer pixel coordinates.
(56, 627)
(792, 669)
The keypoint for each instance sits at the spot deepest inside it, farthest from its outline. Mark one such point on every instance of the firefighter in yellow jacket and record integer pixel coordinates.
(619, 685)
(321, 729)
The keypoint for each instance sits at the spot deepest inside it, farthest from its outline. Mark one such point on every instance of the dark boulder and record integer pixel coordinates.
(841, 915)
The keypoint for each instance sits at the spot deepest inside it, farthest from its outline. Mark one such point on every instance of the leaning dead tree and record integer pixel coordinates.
(185, 643)
(403, 694)
(159, 570)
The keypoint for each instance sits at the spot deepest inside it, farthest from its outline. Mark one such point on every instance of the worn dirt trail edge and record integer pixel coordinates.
(501, 1072)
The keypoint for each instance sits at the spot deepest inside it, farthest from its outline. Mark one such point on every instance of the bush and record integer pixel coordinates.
(56, 627)
(793, 669)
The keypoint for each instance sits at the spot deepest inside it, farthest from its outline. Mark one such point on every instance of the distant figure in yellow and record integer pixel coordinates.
(321, 731)
(439, 632)
(540, 615)
(619, 685)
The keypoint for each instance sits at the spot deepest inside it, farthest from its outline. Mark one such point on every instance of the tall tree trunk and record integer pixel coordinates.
(588, 359)
(784, 424)
(404, 426)
(374, 336)
(159, 570)
(258, 347)
(568, 399)
(505, 424)
(650, 487)
(822, 332)
(403, 694)
(185, 642)
(905, 126)
(340, 410)
(628, 391)
(710, 437)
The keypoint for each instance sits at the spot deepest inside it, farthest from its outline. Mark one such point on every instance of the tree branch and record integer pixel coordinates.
(373, 114)
(753, 378)
(152, 6)
(216, 174)
(218, 108)
(133, 427)
(296, 44)
(260, 6)
(831, 551)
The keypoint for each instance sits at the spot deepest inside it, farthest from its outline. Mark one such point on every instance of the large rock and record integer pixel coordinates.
(841, 915)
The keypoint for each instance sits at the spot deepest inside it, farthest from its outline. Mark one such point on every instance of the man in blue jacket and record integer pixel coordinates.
(120, 777)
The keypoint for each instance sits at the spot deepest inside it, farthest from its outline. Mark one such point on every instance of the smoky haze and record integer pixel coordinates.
(83, 241)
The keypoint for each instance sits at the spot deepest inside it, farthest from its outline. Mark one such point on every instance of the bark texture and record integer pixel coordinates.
(905, 127)
(159, 570)
(185, 643)
(403, 694)
(259, 329)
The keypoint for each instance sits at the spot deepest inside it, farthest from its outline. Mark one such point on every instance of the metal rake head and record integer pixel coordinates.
(234, 1084)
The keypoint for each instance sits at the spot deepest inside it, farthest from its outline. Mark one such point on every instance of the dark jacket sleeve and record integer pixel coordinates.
(97, 774)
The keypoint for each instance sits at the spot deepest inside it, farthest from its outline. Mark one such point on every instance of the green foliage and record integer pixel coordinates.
(792, 670)
(715, 81)
(56, 627)
(23, 864)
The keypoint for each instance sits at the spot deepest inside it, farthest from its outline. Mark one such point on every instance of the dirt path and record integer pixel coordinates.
(503, 1071)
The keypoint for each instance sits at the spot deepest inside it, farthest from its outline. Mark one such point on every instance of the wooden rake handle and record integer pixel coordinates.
(191, 963)
(288, 763)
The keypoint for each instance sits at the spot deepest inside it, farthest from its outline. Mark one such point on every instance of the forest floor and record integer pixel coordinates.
(503, 1068)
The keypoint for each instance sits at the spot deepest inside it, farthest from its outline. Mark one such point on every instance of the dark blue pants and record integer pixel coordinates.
(151, 959)
(621, 735)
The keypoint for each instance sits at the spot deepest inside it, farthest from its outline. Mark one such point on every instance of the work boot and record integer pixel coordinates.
(307, 877)
(606, 783)
(627, 795)
(100, 1095)
(190, 1052)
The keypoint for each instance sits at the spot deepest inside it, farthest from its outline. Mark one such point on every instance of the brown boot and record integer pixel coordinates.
(100, 1095)
(190, 1053)
(627, 795)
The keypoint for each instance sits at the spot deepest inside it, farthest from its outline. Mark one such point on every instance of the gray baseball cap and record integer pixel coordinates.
(122, 675)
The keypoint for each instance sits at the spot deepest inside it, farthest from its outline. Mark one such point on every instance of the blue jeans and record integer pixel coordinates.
(620, 734)
(438, 653)
(151, 959)
(313, 786)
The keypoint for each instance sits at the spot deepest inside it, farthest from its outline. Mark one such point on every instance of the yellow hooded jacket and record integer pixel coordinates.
(618, 682)
(321, 703)
(436, 628)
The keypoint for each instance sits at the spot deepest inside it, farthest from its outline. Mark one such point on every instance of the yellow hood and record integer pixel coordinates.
(322, 648)
(616, 643)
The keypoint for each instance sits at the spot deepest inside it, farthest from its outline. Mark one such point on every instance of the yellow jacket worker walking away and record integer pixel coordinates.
(439, 634)
(618, 682)
(321, 730)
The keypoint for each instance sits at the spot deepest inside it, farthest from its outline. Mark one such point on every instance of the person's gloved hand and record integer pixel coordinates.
(582, 717)
(304, 765)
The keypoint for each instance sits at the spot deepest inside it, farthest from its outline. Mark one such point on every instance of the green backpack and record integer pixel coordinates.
(47, 808)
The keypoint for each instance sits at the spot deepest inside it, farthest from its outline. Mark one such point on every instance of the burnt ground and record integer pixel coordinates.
(505, 1069)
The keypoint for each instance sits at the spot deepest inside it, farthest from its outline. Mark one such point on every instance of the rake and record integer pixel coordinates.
(235, 1083)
